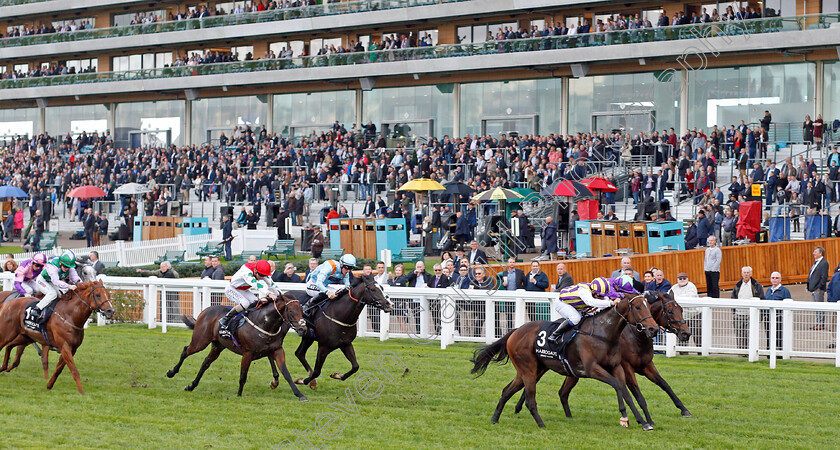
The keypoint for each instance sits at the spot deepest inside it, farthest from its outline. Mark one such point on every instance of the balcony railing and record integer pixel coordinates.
(734, 28)
(19, 2)
(274, 15)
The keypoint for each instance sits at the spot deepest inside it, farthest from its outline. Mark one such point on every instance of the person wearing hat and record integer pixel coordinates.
(251, 282)
(27, 272)
(58, 276)
(691, 235)
(330, 272)
(685, 288)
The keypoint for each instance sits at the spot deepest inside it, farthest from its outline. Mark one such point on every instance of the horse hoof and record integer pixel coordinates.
(336, 376)
(170, 374)
(647, 427)
(541, 425)
(274, 384)
(303, 398)
(686, 414)
(313, 385)
(299, 381)
(189, 388)
(625, 422)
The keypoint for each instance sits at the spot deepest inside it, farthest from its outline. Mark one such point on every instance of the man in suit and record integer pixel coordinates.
(288, 275)
(90, 227)
(626, 263)
(96, 263)
(512, 278)
(439, 279)
(313, 264)
(549, 237)
(370, 207)
(418, 278)
(282, 232)
(227, 236)
(564, 278)
(462, 228)
(476, 255)
(817, 280)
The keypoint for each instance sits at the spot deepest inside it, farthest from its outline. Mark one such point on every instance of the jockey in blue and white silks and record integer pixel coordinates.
(330, 272)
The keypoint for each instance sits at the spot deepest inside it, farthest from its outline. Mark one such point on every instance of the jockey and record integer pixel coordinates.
(27, 272)
(579, 297)
(330, 272)
(622, 285)
(58, 276)
(251, 282)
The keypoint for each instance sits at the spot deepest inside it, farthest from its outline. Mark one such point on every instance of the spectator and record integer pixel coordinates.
(381, 276)
(398, 278)
(728, 227)
(252, 258)
(419, 279)
(659, 283)
(691, 235)
(218, 270)
(97, 265)
(10, 265)
(775, 292)
(549, 238)
(637, 285)
(165, 271)
(537, 280)
(564, 278)
(439, 280)
(462, 228)
(317, 243)
(686, 289)
(711, 266)
(288, 275)
(704, 228)
(817, 280)
(476, 255)
(227, 236)
(625, 264)
(745, 289)
(313, 264)
(208, 268)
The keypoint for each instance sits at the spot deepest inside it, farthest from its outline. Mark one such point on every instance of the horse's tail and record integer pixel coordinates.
(188, 321)
(495, 352)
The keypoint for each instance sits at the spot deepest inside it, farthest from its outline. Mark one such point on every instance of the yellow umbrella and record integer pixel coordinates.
(422, 184)
(496, 194)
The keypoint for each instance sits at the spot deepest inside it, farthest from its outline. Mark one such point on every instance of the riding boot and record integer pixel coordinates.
(309, 307)
(560, 330)
(224, 322)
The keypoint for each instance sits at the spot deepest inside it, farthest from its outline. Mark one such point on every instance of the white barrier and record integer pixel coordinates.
(448, 315)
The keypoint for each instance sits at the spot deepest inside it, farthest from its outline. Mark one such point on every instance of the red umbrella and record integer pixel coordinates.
(599, 184)
(87, 192)
(569, 188)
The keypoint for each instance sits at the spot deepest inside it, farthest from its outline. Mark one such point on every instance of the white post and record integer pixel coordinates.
(121, 258)
(8, 284)
(519, 318)
(182, 243)
(100, 320)
(837, 342)
(151, 303)
(163, 311)
(489, 321)
(363, 321)
(447, 321)
(205, 298)
(196, 301)
(787, 331)
(384, 325)
(755, 326)
(425, 332)
(706, 330)
(385, 256)
(670, 345)
(772, 343)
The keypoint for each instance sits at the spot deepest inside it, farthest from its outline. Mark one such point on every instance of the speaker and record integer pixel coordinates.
(580, 70)
(367, 83)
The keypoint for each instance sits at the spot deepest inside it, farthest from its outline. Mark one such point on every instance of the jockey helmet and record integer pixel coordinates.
(348, 261)
(600, 286)
(263, 268)
(67, 259)
(39, 258)
(623, 284)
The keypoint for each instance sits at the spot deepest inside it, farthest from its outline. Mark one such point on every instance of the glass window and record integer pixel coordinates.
(414, 111)
(149, 116)
(139, 17)
(653, 14)
(539, 23)
(524, 106)
(830, 6)
(135, 62)
(831, 92)
(242, 52)
(464, 35)
(226, 113)
(75, 119)
(20, 122)
(784, 8)
(576, 21)
(23, 68)
(313, 111)
(726, 96)
(430, 36)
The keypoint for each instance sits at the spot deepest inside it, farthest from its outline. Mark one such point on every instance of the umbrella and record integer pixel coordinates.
(12, 191)
(422, 184)
(569, 188)
(458, 188)
(131, 189)
(87, 192)
(497, 194)
(599, 184)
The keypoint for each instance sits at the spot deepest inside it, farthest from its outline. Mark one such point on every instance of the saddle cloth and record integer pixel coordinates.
(553, 350)
(30, 318)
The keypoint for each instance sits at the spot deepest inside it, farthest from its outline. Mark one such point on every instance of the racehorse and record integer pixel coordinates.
(637, 354)
(64, 328)
(594, 353)
(262, 336)
(335, 326)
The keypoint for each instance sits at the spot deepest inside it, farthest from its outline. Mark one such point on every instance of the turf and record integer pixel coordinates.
(130, 403)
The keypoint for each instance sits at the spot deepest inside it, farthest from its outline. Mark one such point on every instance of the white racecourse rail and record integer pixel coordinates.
(449, 315)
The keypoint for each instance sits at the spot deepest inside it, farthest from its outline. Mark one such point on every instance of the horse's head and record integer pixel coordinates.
(367, 291)
(636, 311)
(670, 315)
(86, 272)
(292, 313)
(96, 296)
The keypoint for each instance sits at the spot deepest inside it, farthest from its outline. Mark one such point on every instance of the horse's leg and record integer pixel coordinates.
(198, 343)
(18, 355)
(45, 361)
(531, 401)
(5, 365)
(522, 397)
(350, 354)
(58, 368)
(303, 347)
(319, 363)
(653, 375)
(280, 358)
(616, 380)
(568, 384)
(274, 373)
(633, 386)
(513, 387)
(247, 357)
(67, 356)
(215, 351)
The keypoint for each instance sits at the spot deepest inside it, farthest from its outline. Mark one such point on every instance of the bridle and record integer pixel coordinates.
(368, 286)
(638, 324)
(672, 325)
(285, 313)
(92, 290)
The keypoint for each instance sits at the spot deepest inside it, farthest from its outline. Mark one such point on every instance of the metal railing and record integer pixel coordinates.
(732, 28)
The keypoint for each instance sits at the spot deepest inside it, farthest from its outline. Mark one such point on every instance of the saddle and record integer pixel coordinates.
(31, 320)
(555, 350)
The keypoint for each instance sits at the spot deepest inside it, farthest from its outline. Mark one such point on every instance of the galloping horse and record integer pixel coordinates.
(64, 328)
(262, 336)
(637, 354)
(335, 326)
(594, 353)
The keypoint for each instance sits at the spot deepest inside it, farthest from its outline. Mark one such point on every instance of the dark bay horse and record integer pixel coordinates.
(594, 353)
(261, 336)
(335, 326)
(637, 354)
(64, 328)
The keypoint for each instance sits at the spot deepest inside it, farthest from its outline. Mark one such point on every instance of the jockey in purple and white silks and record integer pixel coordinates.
(579, 297)
(27, 272)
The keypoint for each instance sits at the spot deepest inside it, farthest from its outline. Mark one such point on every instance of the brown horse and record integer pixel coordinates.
(64, 328)
(261, 336)
(594, 353)
(637, 354)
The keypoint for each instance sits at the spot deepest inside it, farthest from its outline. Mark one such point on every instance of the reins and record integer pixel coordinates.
(637, 325)
(74, 326)
(283, 315)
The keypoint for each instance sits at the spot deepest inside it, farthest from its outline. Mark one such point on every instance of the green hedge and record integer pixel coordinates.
(193, 270)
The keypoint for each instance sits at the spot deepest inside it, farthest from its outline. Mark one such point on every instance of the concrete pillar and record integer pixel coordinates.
(269, 126)
(819, 87)
(188, 123)
(112, 120)
(564, 105)
(683, 102)
(456, 126)
(359, 99)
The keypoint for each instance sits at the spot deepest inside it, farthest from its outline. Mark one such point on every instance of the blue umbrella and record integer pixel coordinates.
(12, 191)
